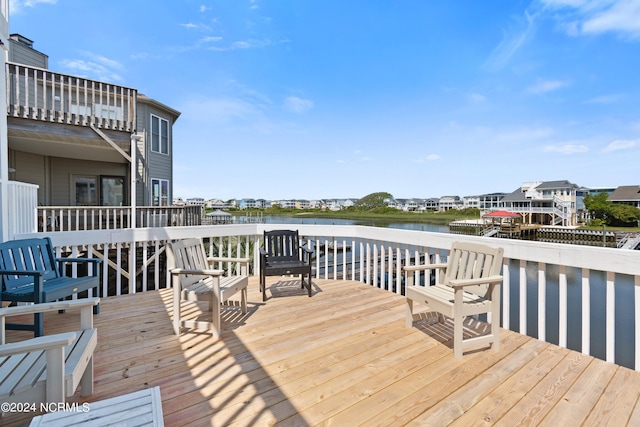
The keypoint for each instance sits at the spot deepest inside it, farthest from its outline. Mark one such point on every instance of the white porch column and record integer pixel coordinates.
(4, 138)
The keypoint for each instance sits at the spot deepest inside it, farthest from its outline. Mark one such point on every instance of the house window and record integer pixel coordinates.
(159, 192)
(85, 190)
(159, 135)
(112, 190)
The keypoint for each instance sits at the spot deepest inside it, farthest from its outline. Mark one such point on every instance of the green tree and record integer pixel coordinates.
(606, 212)
(624, 215)
(373, 201)
(599, 206)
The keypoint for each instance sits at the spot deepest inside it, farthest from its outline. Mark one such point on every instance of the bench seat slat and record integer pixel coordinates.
(28, 370)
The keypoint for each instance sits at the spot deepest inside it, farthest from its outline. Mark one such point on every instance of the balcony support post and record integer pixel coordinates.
(4, 138)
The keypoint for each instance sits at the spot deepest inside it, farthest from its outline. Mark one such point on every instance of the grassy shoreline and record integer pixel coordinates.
(435, 218)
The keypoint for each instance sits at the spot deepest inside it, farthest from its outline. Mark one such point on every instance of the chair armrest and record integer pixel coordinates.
(227, 259)
(22, 273)
(421, 267)
(178, 271)
(459, 283)
(93, 260)
(48, 306)
(263, 251)
(37, 344)
(306, 249)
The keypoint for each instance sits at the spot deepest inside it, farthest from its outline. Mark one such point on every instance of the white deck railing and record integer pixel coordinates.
(83, 218)
(40, 94)
(581, 297)
(23, 200)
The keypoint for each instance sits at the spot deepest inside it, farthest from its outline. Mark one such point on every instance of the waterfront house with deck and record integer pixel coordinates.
(569, 351)
(545, 203)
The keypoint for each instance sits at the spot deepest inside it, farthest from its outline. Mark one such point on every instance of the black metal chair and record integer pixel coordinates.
(283, 254)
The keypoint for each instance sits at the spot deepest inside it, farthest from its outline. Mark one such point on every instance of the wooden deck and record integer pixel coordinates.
(342, 358)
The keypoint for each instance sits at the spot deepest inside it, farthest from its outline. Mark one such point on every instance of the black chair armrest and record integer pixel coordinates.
(62, 261)
(93, 260)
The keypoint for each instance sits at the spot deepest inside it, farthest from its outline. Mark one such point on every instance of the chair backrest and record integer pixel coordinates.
(26, 255)
(282, 245)
(472, 261)
(188, 254)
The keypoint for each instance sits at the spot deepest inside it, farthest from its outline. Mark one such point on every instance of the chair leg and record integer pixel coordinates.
(86, 382)
(409, 313)
(38, 325)
(176, 306)
(243, 300)
(215, 315)
(457, 336)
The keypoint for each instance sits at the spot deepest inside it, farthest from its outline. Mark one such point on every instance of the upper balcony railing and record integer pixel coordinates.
(579, 297)
(75, 218)
(40, 94)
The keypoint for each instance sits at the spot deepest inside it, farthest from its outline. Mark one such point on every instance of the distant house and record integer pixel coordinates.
(546, 203)
(84, 142)
(626, 195)
(431, 204)
(449, 202)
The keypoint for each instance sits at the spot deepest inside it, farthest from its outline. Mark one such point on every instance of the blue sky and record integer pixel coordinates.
(333, 99)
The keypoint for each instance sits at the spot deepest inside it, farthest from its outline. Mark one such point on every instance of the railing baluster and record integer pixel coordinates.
(523, 297)
(506, 292)
(610, 317)
(542, 301)
(586, 312)
(562, 301)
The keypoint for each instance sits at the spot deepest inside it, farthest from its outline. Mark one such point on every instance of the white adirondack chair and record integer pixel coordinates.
(48, 369)
(193, 279)
(469, 285)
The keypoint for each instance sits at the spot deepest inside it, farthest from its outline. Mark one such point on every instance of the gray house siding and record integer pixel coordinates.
(151, 164)
(22, 52)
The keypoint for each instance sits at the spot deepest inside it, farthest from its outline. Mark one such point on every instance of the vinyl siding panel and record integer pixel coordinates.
(62, 171)
(22, 54)
(153, 165)
(31, 168)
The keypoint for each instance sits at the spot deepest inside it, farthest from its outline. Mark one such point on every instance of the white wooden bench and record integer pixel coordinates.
(140, 408)
(194, 279)
(470, 285)
(48, 368)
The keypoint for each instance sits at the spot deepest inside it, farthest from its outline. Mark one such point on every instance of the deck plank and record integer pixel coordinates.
(342, 357)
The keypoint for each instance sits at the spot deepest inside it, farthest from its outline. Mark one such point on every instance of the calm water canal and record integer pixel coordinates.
(624, 296)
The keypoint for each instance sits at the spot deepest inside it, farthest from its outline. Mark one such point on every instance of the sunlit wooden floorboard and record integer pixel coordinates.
(343, 357)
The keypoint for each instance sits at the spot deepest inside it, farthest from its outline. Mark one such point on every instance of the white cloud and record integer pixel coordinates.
(96, 67)
(512, 40)
(297, 105)
(429, 158)
(204, 8)
(192, 26)
(579, 17)
(606, 99)
(620, 144)
(522, 135)
(477, 98)
(17, 6)
(547, 86)
(567, 148)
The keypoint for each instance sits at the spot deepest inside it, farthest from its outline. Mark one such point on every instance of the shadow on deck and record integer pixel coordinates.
(342, 357)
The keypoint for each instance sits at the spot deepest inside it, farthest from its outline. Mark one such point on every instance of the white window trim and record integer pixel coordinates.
(160, 120)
